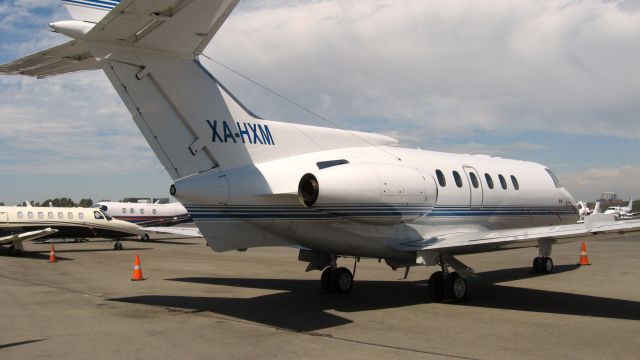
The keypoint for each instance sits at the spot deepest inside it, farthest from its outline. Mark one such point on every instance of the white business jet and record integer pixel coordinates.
(622, 212)
(250, 182)
(147, 215)
(21, 223)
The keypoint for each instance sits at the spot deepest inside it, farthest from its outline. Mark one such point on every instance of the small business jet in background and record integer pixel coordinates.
(250, 182)
(622, 212)
(21, 223)
(146, 215)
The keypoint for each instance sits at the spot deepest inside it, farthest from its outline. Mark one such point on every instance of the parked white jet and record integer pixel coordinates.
(21, 223)
(621, 211)
(251, 182)
(146, 215)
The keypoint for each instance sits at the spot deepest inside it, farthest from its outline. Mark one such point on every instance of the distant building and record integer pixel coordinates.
(608, 196)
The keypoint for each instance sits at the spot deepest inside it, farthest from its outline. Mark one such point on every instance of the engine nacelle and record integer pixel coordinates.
(371, 193)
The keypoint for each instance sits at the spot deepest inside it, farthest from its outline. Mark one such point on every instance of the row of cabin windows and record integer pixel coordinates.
(133, 211)
(51, 215)
(474, 180)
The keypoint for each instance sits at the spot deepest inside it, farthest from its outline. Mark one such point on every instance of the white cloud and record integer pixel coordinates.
(446, 67)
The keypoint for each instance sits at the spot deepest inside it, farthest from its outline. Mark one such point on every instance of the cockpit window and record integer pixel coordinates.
(556, 182)
(98, 215)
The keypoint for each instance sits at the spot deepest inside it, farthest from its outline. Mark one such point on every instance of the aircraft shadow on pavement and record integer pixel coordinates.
(33, 255)
(301, 307)
(4, 346)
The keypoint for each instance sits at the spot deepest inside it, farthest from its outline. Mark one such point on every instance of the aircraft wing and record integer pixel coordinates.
(178, 26)
(66, 58)
(184, 231)
(595, 227)
(30, 235)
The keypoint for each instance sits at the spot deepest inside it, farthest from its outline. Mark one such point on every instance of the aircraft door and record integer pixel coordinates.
(475, 187)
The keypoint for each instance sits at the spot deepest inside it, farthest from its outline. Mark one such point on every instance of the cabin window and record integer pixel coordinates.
(60, 215)
(141, 211)
(154, 211)
(441, 180)
(70, 216)
(556, 182)
(503, 182)
(50, 215)
(40, 215)
(124, 210)
(30, 215)
(80, 216)
(132, 211)
(20, 215)
(98, 215)
(489, 180)
(457, 178)
(474, 180)
(516, 185)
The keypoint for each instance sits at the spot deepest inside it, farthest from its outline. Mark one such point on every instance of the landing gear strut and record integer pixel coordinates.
(338, 280)
(445, 285)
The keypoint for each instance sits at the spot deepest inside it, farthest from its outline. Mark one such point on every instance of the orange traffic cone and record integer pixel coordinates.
(52, 255)
(584, 259)
(137, 270)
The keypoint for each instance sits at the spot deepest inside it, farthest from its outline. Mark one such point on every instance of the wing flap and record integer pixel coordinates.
(595, 227)
(66, 58)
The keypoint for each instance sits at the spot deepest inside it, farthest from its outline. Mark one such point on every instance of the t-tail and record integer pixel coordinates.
(150, 51)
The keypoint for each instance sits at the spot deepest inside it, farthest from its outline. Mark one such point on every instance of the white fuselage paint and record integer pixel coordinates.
(143, 213)
(69, 221)
(281, 218)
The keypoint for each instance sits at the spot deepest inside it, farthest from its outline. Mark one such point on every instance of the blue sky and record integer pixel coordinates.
(554, 82)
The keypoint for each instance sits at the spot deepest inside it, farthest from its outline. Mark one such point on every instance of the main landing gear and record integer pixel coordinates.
(447, 286)
(338, 280)
(118, 245)
(543, 264)
(14, 251)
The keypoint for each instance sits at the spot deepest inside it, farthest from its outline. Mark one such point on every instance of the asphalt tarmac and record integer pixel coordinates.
(260, 304)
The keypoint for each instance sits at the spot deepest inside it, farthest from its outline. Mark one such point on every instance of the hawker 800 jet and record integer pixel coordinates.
(249, 182)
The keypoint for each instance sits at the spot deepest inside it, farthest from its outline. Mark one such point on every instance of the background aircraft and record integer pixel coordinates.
(21, 223)
(622, 212)
(250, 182)
(146, 215)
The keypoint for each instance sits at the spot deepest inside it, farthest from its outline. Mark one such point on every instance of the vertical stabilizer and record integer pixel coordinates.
(89, 10)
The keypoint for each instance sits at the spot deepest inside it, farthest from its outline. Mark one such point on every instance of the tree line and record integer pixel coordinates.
(63, 202)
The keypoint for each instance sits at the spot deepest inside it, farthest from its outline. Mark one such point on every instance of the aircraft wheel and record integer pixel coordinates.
(342, 280)
(537, 265)
(144, 238)
(547, 265)
(118, 246)
(325, 279)
(436, 286)
(455, 287)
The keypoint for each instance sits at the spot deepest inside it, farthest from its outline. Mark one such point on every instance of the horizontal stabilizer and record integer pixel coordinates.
(66, 58)
(182, 231)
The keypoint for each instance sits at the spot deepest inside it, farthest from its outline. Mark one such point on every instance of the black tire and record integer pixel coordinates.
(144, 238)
(436, 286)
(547, 265)
(537, 265)
(342, 280)
(13, 251)
(455, 287)
(325, 279)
